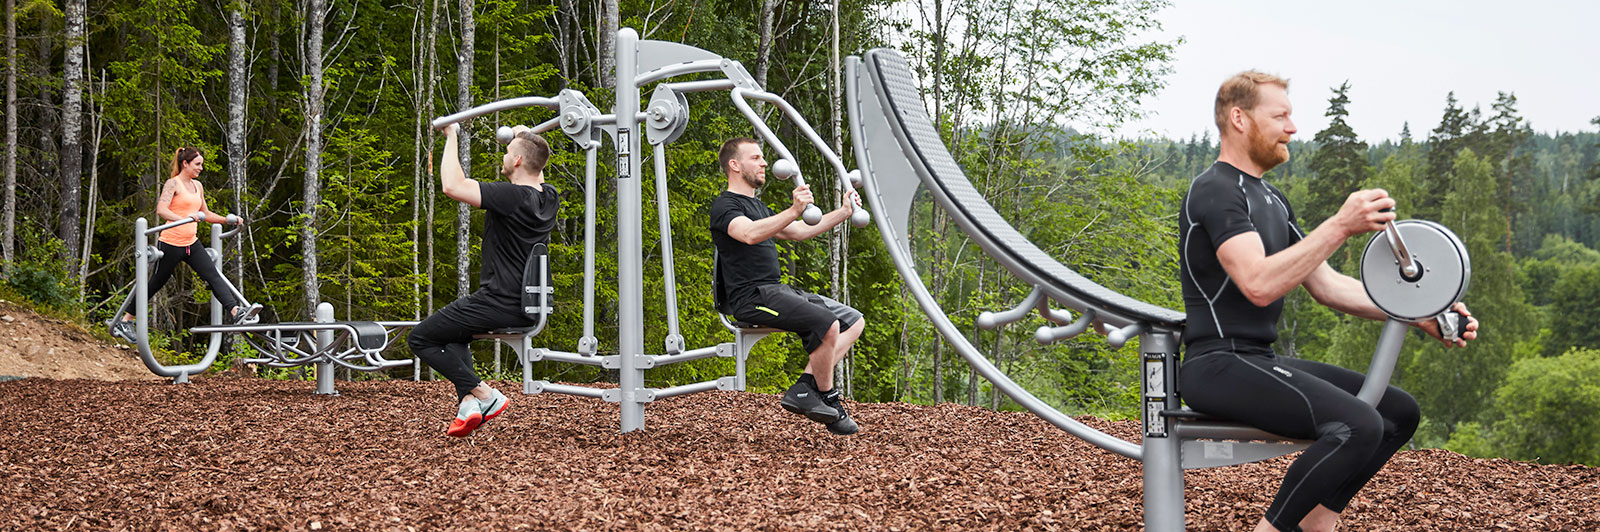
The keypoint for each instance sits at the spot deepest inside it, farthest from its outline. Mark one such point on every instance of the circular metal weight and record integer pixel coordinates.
(1445, 271)
(577, 115)
(667, 116)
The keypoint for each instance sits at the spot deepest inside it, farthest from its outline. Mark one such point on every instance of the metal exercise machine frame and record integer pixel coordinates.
(664, 117)
(323, 343)
(898, 149)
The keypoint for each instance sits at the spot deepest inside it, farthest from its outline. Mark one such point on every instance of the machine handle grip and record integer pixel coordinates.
(1450, 325)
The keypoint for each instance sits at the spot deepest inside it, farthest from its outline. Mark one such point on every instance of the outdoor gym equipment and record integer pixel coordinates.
(1414, 270)
(664, 117)
(356, 345)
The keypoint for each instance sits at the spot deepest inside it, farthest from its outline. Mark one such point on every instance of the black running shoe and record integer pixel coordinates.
(807, 401)
(843, 426)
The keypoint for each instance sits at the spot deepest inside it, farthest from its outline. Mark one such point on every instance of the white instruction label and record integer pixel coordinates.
(1155, 380)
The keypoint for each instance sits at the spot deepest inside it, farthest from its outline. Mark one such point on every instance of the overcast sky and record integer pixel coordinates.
(1401, 57)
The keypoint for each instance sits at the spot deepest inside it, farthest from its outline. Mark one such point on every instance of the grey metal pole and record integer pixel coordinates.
(143, 253)
(588, 345)
(1383, 359)
(674, 341)
(630, 254)
(218, 314)
(324, 343)
(1161, 446)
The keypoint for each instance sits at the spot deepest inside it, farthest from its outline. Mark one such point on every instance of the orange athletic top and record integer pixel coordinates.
(186, 200)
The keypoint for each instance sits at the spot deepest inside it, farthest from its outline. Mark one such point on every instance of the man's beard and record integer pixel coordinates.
(754, 179)
(1264, 151)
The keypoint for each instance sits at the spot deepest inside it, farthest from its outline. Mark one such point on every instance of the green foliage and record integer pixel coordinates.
(1455, 385)
(37, 275)
(1575, 310)
(1548, 410)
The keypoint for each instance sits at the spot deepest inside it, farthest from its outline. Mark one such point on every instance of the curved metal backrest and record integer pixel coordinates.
(881, 163)
(537, 290)
(719, 296)
(901, 100)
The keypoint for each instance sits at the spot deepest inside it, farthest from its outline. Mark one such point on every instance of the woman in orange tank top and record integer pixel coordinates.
(183, 197)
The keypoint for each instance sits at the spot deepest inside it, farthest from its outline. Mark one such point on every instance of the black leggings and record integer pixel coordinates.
(441, 339)
(1306, 400)
(199, 261)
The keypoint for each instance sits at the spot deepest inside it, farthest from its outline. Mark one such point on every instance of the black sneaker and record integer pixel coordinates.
(843, 426)
(805, 400)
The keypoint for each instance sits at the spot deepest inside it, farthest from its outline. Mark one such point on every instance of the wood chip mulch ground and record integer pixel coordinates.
(249, 454)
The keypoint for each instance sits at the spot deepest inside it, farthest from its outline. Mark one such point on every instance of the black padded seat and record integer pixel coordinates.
(1190, 415)
(369, 335)
(975, 214)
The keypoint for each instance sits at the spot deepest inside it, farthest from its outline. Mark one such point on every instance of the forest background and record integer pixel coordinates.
(312, 116)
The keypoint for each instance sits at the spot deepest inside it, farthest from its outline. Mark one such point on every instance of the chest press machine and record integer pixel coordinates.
(663, 119)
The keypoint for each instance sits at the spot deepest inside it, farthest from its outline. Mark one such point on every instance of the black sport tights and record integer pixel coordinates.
(1309, 400)
(199, 261)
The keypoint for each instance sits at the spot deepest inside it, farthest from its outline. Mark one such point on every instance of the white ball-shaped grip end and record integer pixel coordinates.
(813, 215)
(785, 169)
(855, 178)
(503, 135)
(860, 218)
(986, 321)
(1043, 335)
(233, 219)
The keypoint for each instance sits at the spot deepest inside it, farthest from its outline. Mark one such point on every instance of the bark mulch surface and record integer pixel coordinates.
(247, 454)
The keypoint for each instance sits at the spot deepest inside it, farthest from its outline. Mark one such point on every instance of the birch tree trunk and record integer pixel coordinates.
(764, 50)
(71, 127)
(311, 193)
(238, 158)
(420, 129)
(433, 79)
(97, 132)
(839, 261)
(609, 24)
(7, 252)
(464, 101)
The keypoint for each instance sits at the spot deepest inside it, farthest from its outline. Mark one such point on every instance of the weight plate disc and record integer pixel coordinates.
(1446, 271)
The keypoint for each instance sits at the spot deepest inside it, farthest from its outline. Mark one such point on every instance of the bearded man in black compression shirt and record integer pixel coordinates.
(1241, 252)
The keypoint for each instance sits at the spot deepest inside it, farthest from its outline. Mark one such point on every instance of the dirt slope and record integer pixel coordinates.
(38, 346)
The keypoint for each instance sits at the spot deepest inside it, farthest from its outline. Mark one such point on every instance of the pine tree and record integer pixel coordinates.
(1443, 143)
(1339, 166)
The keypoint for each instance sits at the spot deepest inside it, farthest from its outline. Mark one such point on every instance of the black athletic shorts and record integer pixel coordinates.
(781, 306)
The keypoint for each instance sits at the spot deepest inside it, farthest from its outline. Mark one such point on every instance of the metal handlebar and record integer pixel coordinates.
(1402, 255)
(495, 107)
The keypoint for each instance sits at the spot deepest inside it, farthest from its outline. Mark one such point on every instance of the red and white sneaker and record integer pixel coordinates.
(468, 418)
(495, 405)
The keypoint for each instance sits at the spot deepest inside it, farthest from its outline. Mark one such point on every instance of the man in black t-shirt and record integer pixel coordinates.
(743, 229)
(519, 214)
(1240, 253)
